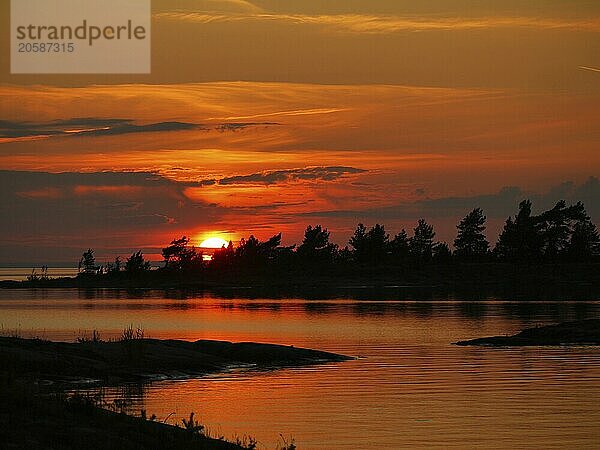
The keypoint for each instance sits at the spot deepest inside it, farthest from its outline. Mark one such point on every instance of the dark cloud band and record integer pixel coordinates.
(91, 126)
(329, 173)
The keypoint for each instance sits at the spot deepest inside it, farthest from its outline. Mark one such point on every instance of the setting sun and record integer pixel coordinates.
(214, 242)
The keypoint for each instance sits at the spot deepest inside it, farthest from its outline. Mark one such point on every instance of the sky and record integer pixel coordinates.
(267, 116)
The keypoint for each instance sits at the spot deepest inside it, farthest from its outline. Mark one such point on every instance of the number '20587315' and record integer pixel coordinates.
(46, 47)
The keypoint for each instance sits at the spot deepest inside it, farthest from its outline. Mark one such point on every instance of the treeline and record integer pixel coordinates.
(564, 233)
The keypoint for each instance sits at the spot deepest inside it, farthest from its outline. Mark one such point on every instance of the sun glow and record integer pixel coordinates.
(214, 242)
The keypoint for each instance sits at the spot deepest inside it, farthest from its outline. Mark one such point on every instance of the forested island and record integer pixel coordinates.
(560, 245)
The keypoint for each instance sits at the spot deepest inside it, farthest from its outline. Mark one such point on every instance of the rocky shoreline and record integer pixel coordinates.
(582, 332)
(146, 359)
(36, 414)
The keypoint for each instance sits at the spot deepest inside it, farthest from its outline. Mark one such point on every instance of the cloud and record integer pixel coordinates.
(223, 6)
(11, 131)
(235, 126)
(75, 206)
(497, 205)
(236, 5)
(87, 126)
(132, 128)
(385, 24)
(292, 113)
(591, 69)
(330, 173)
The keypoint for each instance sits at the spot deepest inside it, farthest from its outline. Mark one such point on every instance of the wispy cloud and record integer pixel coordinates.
(290, 113)
(11, 131)
(383, 24)
(591, 69)
(87, 126)
(236, 5)
(330, 173)
(235, 126)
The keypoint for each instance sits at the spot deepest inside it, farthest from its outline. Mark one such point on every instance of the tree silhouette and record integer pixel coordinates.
(223, 257)
(561, 232)
(315, 246)
(379, 242)
(441, 253)
(421, 244)
(252, 253)
(345, 255)
(88, 262)
(520, 239)
(584, 243)
(554, 228)
(248, 251)
(370, 246)
(174, 250)
(471, 243)
(180, 256)
(359, 242)
(136, 264)
(114, 267)
(400, 246)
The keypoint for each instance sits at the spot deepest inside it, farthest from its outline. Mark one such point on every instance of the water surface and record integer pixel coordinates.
(410, 388)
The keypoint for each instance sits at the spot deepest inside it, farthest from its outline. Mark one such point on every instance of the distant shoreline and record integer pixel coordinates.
(495, 278)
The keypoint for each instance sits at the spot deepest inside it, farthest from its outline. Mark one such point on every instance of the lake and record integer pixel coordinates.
(409, 388)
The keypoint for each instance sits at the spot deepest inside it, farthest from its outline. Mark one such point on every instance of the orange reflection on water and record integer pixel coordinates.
(410, 388)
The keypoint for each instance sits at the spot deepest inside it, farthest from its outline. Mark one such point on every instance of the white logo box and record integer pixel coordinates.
(80, 36)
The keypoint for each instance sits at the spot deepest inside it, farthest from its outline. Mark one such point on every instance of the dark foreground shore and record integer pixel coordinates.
(34, 414)
(30, 421)
(145, 359)
(582, 332)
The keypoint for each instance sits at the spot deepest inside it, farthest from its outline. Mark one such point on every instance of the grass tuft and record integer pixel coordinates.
(285, 445)
(84, 337)
(192, 425)
(132, 334)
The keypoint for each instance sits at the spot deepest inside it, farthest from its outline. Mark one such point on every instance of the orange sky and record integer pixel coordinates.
(354, 111)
